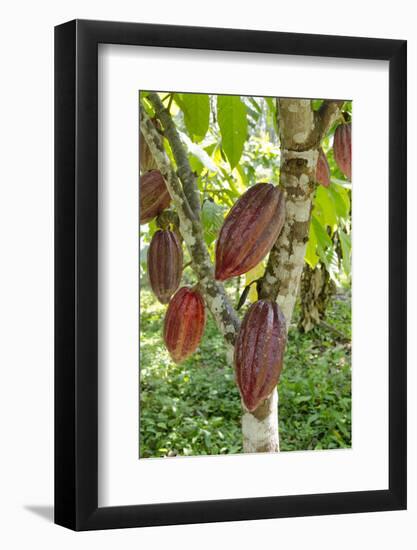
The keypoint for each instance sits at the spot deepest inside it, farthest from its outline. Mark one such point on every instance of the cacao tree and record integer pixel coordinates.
(264, 231)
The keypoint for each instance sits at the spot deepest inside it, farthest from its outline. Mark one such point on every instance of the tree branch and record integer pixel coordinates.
(190, 226)
(308, 127)
(324, 119)
(185, 173)
(328, 113)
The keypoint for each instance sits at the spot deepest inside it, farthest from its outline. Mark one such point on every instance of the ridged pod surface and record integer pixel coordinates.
(323, 169)
(342, 148)
(184, 323)
(250, 230)
(165, 259)
(259, 352)
(153, 194)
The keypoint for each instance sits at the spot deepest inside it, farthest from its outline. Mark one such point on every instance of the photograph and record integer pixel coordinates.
(208, 328)
(245, 274)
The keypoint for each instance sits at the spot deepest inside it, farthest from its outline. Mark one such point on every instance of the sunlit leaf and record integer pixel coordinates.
(242, 175)
(342, 183)
(311, 257)
(232, 119)
(196, 165)
(252, 275)
(341, 201)
(345, 242)
(145, 104)
(324, 247)
(325, 207)
(316, 104)
(272, 111)
(196, 109)
(323, 239)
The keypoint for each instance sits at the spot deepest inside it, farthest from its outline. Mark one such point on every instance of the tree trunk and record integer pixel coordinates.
(301, 131)
(260, 428)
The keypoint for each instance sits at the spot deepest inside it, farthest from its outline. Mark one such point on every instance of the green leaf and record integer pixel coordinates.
(331, 260)
(232, 119)
(242, 175)
(325, 207)
(341, 183)
(324, 248)
(253, 102)
(196, 165)
(272, 111)
(212, 217)
(341, 201)
(346, 244)
(145, 104)
(271, 104)
(196, 109)
(323, 239)
(311, 257)
(316, 104)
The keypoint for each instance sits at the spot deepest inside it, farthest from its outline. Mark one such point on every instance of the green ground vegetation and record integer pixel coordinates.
(194, 408)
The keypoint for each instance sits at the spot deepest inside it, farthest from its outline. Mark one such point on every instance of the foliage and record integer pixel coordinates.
(232, 143)
(194, 408)
(329, 237)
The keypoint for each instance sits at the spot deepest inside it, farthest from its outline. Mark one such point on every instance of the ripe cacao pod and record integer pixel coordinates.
(342, 148)
(146, 159)
(250, 230)
(259, 352)
(184, 323)
(165, 261)
(323, 169)
(153, 194)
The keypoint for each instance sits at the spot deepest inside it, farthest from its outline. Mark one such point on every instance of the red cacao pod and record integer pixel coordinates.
(323, 169)
(250, 230)
(342, 148)
(259, 352)
(153, 194)
(184, 323)
(165, 261)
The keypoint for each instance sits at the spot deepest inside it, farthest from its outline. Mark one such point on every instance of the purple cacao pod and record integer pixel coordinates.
(165, 261)
(259, 352)
(342, 148)
(323, 169)
(153, 194)
(184, 323)
(250, 230)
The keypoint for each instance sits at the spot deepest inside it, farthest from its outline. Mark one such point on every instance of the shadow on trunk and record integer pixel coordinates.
(316, 291)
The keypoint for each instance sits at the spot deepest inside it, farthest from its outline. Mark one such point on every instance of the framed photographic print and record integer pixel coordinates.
(230, 252)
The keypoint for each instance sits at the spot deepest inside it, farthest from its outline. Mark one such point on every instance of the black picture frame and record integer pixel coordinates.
(76, 271)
